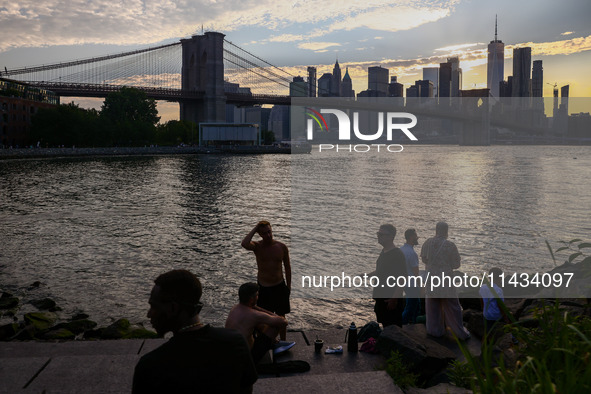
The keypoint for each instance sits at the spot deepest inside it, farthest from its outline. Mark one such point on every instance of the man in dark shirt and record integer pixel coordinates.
(390, 265)
(198, 358)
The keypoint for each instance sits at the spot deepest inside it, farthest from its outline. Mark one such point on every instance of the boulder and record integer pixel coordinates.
(58, 334)
(117, 330)
(422, 355)
(474, 322)
(8, 331)
(43, 304)
(8, 302)
(440, 388)
(40, 320)
(77, 326)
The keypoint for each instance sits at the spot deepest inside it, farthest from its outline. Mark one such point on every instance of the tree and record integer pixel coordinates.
(130, 117)
(67, 124)
(174, 132)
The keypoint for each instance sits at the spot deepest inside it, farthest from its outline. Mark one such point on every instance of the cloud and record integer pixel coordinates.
(564, 47)
(454, 48)
(318, 46)
(34, 23)
(567, 33)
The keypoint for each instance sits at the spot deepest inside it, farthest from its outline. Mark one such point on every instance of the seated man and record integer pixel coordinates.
(198, 358)
(259, 326)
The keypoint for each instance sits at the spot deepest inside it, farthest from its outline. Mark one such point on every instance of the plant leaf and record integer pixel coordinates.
(572, 241)
(585, 245)
(561, 249)
(574, 256)
(551, 252)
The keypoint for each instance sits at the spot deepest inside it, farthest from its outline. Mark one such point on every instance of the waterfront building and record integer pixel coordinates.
(347, 85)
(19, 102)
(537, 80)
(413, 91)
(324, 83)
(424, 88)
(395, 89)
(432, 74)
(377, 79)
(311, 81)
(521, 72)
(496, 65)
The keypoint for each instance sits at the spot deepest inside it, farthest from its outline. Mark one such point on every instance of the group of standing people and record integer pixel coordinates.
(440, 256)
(202, 358)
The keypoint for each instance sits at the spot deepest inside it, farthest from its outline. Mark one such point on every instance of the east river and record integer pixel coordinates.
(96, 231)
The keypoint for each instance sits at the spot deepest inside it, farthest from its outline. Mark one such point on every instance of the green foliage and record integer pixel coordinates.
(576, 251)
(175, 132)
(460, 374)
(267, 137)
(67, 125)
(554, 357)
(396, 368)
(130, 117)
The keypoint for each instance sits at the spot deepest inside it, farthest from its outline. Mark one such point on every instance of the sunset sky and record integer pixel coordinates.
(403, 36)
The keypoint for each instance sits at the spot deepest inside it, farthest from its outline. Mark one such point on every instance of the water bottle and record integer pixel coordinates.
(352, 345)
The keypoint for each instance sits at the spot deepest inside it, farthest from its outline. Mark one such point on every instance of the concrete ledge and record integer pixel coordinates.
(355, 382)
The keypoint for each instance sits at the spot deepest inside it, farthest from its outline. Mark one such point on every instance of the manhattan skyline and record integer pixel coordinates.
(402, 36)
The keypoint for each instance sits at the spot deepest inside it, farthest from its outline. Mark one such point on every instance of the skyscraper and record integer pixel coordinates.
(537, 79)
(324, 83)
(444, 80)
(456, 76)
(298, 88)
(395, 89)
(521, 72)
(432, 74)
(312, 81)
(377, 79)
(495, 71)
(347, 85)
(335, 86)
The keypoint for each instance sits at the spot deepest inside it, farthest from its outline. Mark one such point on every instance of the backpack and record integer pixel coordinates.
(370, 330)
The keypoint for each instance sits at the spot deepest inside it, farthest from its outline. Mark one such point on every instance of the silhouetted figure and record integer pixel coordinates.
(389, 302)
(442, 306)
(198, 358)
(258, 326)
(272, 257)
(489, 295)
(413, 293)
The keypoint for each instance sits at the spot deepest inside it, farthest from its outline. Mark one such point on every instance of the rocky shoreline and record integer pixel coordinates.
(47, 324)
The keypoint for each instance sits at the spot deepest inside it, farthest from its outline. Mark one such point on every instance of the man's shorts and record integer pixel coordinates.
(262, 344)
(275, 298)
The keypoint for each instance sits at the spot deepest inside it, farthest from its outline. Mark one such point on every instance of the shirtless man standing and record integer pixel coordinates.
(272, 256)
(248, 319)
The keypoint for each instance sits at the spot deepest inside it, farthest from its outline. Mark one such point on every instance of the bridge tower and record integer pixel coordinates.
(203, 70)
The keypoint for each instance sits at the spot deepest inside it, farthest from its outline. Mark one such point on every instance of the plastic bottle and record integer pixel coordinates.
(352, 345)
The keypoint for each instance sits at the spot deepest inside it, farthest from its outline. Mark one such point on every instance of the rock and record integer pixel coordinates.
(6, 295)
(122, 329)
(8, 331)
(470, 303)
(43, 304)
(40, 320)
(474, 322)
(423, 355)
(117, 330)
(77, 326)
(94, 334)
(8, 302)
(60, 333)
(139, 332)
(80, 316)
(35, 284)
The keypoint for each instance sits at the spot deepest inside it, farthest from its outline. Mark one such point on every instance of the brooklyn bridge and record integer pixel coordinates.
(203, 73)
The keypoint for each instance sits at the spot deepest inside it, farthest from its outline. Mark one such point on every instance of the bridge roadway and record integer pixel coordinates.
(102, 90)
